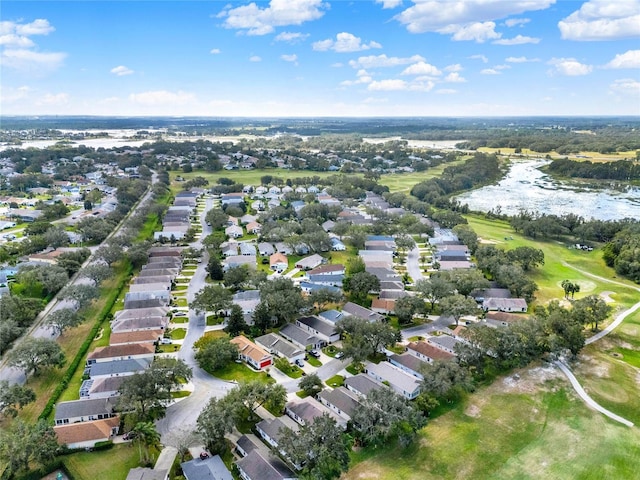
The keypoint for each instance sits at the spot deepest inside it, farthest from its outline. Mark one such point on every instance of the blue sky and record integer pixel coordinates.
(321, 58)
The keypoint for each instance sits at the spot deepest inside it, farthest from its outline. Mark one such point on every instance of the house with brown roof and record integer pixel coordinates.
(135, 336)
(278, 262)
(87, 434)
(251, 353)
(383, 305)
(254, 228)
(121, 352)
(427, 352)
(335, 269)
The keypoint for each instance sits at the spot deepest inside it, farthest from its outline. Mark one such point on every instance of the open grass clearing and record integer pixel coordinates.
(239, 372)
(531, 428)
(112, 464)
(404, 182)
(335, 381)
(247, 177)
(178, 333)
(314, 362)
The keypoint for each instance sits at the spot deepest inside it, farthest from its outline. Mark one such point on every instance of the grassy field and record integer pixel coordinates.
(591, 156)
(248, 177)
(531, 428)
(241, 373)
(112, 464)
(403, 182)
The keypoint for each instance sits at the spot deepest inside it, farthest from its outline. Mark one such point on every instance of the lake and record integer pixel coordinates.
(526, 187)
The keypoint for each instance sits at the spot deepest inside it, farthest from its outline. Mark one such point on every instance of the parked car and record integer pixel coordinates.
(166, 341)
(314, 353)
(300, 363)
(339, 355)
(180, 314)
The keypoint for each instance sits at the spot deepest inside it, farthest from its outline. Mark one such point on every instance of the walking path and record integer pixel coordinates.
(586, 398)
(616, 322)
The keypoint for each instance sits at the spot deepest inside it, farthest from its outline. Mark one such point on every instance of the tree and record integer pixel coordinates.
(406, 307)
(363, 339)
(109, 253)
(22, 443)
(214, 268)
(96, 272)
(63, 319)
(216, 354)
(82, 294)
(383, 414)
(282, 298)
(324, 296)
(145, 436)
(467, 280)
(320, 448)
(526, 257)
(235, 277)
(236, 324)
(182, 439)
(212, 298)
(138, 254)
(468, 236)
(32, 354)
(262, 317)
(169, 373)
(434, 288)
(591, 310)
(216, 218)
(445, 380)
(88, 205)
(457, 306)
(214, 422)
(405, 242)
(311, 385)
(360, 284)
(56, 237)
(13, 397)
(247, 397)
(355, 265)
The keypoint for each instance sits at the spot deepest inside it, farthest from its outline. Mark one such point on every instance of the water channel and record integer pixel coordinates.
(525, 186)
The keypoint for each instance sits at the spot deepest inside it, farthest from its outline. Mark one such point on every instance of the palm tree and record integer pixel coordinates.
(145, 433)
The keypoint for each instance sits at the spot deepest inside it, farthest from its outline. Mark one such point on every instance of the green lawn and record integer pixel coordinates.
(248, 177)
(330, 350)
(536, 431)
(168, 348)
(214, 320)
(241, 373)
(181, 302)
(404, 182)
(335, 381)
(314, 362)
(112, 464)
(178, 333)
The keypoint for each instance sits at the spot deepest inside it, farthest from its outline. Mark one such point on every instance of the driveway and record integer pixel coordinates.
(413, 265)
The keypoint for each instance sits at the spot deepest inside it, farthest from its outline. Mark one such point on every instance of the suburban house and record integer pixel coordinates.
(340, 400)
(326, 280)
(135, 336)
(383, 305)
(117, 368)
(76, 411)
(247, 300)
(356, 310)
(232, 198)
(428, 353)
(310, 262)
(278, 346)
(254, 228)
(505, 304)
(444, 342)
(300, 337)
(163, 297)
(229, 249)
(146, 473)
(131, 324)
(135, 313)
(234, 231)
(308, 287)
(278, 262)
(252, 353)
(239, 260)
(248, 249)
(121, 352)
(212, 468)
(502, 319)
(258, 465)
(283, 248)
(362, 384)
(409, 363)
(337, 245)
(401, 382)
(325, 331)
(271, 430)
(330, 270)
(87, 434)
(246, 219)
(265, 249)
(101, 387)
(305, 410)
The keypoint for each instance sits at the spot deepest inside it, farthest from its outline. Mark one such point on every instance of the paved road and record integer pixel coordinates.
(413, 265)
(587, 399)
(437, 323)
(39, 329)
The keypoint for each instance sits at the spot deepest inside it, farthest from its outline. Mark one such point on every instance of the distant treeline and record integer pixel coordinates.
(623, 252)
(624, 170)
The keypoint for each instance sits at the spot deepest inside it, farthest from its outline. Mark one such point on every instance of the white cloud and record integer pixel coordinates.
(389, 3)
(53, 99)
(421, 68)
(521, 59)
(291, 37)
(379, 61)
(290, 58)
(502, 67)
(446, 91)
(456, 67)
(443, 16)
(344, 43)
(454, 77)
(363, 77)
(214, 51)
(512, 22)
(570, 67)
(626, 86)
(478, 31)
(602, 20)
(162, 97)
(490, 71)
(479, 57)
(30, 61)
(13, 40)
(255, 58)
(121, 70)
(517, 40)
(629, 59)
(337, 65)
(39, 26)
(11, 95)
(261, 21)
(388, 85)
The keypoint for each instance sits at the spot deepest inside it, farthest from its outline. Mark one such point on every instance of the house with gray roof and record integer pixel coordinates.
(239, 260)
(326, 280)
(146, 323)
(401, 382)
(162, 295)
(331, 315)
(101, 387)
(146, 473)
(355, 310)
(444, 342)
(276, 345)
(266, 249)
(84, 410)
(212, 468)
(505, 304)
(325, 331)
(305, 410)
(409, 363)
(118, 368)
(340, 400)
(427, 352)
(271, 430)
(310, 262)
(300, 337)
(362, 384)
(248, 249)
(258, 465)
(132, 313)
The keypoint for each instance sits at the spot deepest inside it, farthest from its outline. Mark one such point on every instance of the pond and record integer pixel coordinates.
(525, 186)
